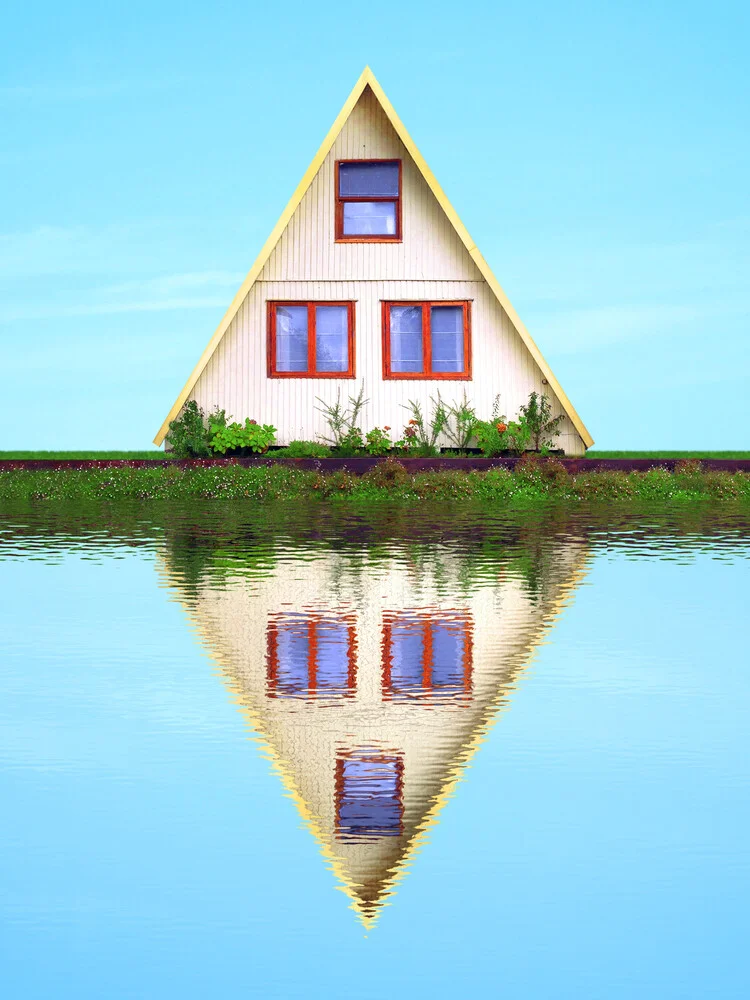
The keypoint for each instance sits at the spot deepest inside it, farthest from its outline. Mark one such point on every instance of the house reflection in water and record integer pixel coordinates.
(372, 683)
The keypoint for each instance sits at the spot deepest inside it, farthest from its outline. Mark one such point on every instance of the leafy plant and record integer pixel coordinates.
(517, 436)
(491, 434)
(459, 427)
(252, 436)
(303, 449)
(378, 441)
(351, 443)
(421, 434)
(189, 435)
(537, 416)
(343, 421)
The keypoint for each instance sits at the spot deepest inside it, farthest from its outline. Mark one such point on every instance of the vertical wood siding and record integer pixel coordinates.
(430, 264)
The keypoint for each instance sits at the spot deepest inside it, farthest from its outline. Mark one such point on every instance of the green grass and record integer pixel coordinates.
(157, 455)
(667, 454)
(90, 455)
(529, 484)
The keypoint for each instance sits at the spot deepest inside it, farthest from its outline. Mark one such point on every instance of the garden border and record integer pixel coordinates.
(360, 464)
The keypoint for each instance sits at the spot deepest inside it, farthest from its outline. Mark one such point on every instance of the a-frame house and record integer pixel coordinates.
(370, 276)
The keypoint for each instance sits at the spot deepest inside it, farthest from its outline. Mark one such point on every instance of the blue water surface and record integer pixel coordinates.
(596, 844)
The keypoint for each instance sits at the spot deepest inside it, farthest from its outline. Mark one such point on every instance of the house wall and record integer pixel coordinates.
(430, 263)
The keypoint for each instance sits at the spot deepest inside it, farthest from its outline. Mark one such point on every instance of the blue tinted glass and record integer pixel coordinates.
(448, 657)
(292, 657)
(407, 657)
(369, 800)
(332, 656)
(447, 338)
(368, 180)
(291, 338)
(406, 339)
(369, 218)
(331, 338)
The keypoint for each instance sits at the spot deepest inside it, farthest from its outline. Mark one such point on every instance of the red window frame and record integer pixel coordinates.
(426, 621)
(341, 237)
(313, 623)
(373, 758)
(427, 374)
(311, 371)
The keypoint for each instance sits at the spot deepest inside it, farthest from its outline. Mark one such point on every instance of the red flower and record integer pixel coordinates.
(502, 428)
(386, 428)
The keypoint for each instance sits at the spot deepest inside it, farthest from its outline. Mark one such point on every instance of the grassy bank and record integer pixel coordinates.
(102, 456)
(656, 455)
(159, 456)
(538, 481)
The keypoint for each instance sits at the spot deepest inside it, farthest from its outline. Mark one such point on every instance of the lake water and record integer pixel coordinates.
(315, 753)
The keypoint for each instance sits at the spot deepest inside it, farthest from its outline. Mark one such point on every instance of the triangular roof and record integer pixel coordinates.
(367, 79)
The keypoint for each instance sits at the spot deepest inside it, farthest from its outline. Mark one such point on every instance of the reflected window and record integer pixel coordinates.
(369, 796)
(311, 654)
(426, 653)
(368, 201)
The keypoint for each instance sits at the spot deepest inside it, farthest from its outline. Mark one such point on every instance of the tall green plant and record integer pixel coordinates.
(425, 431)
(459, 426)
(343, 421)
(543, 427)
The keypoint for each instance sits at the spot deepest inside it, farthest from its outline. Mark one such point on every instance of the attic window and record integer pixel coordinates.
(426, 340)
(368, 201)
(311, 340)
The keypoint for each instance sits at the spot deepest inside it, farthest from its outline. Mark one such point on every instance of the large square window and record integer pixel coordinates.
(426, 654)
(311, 655)
(311, 339)
(426, 340)
(368, 201)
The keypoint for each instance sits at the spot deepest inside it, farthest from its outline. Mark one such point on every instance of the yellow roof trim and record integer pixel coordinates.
(368, 79)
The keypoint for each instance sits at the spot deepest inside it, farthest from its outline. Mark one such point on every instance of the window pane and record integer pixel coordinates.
(332, 655)
(368, 180)
(369, 218)
(448, 657)
(406, 339)
(291, 338)
(331, 338)
(447, 338)
(369, 797)
(407, 656)
(293, 657)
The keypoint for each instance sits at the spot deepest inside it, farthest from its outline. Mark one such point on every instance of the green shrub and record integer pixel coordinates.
(378, 441)
(536, 417)
(189, 436)
(303, 449)
(236, 437)
(386, 474)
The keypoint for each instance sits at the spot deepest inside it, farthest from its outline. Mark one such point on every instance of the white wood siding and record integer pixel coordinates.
(430, 264)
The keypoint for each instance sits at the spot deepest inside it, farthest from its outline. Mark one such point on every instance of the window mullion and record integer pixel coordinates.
(310, 338)
(426, 340)
(427, 665)
(312, 656)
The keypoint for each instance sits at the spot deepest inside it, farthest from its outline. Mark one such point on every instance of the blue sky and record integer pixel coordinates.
(146, 151)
